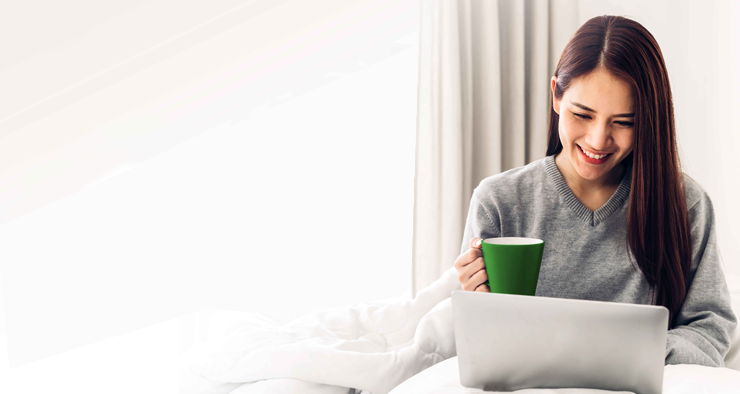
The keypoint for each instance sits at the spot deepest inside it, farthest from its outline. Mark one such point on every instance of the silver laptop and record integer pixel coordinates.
(511, 342)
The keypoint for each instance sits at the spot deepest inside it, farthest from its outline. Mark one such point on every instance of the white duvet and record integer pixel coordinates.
(371, 347)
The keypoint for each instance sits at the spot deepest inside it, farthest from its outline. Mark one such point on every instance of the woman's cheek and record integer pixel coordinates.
(628, 140)
(567, 129)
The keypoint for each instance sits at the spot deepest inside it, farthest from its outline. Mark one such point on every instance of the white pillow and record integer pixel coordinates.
(732, 359)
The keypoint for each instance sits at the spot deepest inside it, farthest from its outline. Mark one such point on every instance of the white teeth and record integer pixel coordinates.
(593, 156)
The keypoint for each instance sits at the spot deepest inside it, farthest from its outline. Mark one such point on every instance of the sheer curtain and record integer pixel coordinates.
(483, 101)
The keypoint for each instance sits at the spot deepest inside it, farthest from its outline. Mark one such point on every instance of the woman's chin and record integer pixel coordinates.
(590, 174)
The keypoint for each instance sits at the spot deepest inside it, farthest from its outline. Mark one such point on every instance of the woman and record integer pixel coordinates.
(620, 221)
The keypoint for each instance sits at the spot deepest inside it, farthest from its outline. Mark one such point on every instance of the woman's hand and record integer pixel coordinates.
(471, 269)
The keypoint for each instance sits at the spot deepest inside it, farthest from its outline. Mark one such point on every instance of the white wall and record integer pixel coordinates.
(700, 41)
(258, 161)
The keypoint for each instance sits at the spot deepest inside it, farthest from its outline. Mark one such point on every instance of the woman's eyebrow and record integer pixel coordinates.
(579, 105)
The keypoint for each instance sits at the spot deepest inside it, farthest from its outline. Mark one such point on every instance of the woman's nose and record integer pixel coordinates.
(599, 137)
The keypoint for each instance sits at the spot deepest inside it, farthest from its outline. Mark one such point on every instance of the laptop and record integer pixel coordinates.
(509, 342)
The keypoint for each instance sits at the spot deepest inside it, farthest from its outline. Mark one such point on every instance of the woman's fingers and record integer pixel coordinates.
(475, 280)
(470, 266)
(478, 278)
(467, 257)
(478, 265)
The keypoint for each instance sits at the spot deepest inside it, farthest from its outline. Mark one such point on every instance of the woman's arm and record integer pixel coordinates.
(705, 323)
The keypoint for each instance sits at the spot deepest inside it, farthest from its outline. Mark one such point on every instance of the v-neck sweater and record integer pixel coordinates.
(586, 255)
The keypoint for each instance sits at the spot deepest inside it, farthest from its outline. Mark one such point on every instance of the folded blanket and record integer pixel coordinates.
(372, 347)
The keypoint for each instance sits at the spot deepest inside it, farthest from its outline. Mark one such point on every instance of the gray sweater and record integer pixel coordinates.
(586, 255)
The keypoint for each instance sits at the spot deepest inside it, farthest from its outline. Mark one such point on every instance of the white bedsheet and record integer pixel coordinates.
(371, 347)
(444, 378)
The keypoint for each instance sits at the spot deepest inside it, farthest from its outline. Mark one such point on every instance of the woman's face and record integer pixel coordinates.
(596, 123)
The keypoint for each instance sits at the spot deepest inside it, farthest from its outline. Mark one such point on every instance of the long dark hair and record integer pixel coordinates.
(658, 231)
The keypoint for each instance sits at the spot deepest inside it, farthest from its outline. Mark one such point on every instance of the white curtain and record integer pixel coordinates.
(483, 102)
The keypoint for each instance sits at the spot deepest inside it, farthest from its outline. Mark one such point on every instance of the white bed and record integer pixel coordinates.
(396, 346)
(443, 378)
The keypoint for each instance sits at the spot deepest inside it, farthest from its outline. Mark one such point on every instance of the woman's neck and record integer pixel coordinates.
(593, 193)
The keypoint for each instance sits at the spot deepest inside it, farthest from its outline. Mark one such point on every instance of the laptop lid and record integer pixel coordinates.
(510, 342)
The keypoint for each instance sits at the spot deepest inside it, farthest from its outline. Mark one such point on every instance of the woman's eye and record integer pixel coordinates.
(626, 124)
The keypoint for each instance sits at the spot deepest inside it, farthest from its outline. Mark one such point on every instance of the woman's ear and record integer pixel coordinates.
(555, 101)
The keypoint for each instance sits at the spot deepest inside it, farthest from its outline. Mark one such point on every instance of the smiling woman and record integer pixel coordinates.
(602, 66)
(594, 142)
(622, 221)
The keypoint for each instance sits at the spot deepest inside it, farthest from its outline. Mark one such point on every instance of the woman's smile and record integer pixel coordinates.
(592, 157)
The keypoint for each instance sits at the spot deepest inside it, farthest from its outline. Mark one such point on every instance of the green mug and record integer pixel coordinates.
(513, 264)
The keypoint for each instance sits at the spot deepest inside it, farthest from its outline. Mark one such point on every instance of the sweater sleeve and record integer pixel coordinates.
(705, 323)
(482, 221)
